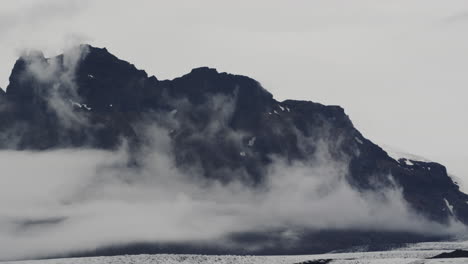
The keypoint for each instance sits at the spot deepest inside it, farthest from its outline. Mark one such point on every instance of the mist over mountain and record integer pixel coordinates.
(98, 157)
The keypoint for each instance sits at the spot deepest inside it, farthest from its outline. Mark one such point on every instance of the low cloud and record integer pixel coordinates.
(67, 200)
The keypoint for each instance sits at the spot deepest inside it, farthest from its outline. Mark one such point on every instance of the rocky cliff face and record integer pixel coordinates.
(228, 126)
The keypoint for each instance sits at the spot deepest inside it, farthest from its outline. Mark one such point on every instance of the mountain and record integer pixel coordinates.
(227, 125)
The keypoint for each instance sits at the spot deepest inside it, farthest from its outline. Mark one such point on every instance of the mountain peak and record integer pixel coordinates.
(32, 54)
(203, 70)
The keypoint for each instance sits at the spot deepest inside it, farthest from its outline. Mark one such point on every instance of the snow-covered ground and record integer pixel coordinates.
(412, 254)
(398, 154)
(405, 157)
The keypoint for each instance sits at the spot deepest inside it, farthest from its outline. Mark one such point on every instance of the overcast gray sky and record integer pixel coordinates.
(399, 68)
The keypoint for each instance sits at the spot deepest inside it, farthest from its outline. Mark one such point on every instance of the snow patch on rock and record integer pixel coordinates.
(408, 162)
(73, 103)
(251, 142)
(358, 140)
(449, 206)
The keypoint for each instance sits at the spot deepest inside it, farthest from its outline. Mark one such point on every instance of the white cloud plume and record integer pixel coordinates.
(57, 76)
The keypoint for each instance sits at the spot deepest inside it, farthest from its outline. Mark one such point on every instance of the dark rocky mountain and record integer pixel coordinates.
(229, 125)
(454, 254)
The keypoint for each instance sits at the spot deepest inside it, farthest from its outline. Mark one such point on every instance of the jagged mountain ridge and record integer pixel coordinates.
(113, 96)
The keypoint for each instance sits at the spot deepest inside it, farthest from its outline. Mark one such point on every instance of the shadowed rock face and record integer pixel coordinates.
(218, 122)
(454, 254)
(319, 261)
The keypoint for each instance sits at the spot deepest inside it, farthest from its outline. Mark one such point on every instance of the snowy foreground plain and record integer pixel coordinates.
(414, 254)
